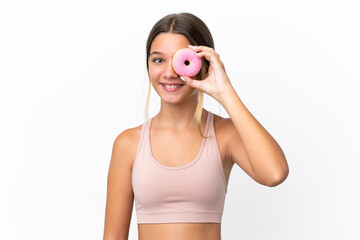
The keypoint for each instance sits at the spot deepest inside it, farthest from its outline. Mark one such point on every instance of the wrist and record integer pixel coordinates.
(227, 95)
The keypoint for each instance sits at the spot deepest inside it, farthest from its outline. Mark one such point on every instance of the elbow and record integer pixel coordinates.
(278, 178)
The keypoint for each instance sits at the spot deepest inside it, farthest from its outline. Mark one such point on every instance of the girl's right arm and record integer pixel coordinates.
(119, 202)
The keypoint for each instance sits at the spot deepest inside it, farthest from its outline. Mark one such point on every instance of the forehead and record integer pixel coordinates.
(168, 43)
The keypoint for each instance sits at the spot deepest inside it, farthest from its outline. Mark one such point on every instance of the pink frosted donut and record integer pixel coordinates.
(186, 62)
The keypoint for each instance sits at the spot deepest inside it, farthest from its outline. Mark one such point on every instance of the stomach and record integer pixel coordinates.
(180, 231)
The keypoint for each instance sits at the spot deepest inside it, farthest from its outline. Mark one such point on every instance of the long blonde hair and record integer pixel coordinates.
(197, 33)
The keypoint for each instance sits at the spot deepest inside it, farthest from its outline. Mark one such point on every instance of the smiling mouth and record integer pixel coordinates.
(172, 85)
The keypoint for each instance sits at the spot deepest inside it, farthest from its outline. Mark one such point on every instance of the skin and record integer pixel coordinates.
(241, 138)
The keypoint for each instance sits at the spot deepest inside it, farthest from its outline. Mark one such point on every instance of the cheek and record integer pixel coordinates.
(154, 73)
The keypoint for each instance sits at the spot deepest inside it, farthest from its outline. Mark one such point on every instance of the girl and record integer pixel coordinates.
(176, 166)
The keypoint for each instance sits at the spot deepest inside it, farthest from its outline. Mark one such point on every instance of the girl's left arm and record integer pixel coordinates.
(252, 148)
(263, 154)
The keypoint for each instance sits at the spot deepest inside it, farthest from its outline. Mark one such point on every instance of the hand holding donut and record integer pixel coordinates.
(216, 82)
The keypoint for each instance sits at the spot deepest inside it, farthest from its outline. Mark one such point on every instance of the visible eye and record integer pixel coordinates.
(158, 60)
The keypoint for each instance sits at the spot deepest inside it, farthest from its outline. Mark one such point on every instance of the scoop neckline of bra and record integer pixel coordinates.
(207, 126)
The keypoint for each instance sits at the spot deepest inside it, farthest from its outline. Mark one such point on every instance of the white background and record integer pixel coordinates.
(73, 76)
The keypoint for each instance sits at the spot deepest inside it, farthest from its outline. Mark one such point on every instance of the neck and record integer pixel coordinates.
(180, 116)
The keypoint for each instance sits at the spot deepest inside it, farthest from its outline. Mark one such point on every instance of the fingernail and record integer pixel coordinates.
(191, 46)
(182, 79)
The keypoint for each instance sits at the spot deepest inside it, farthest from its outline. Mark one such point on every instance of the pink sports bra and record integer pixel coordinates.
(194, 192)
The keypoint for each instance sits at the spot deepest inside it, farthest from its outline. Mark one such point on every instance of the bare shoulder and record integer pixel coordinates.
(127, 142)
(223, 130)
(223, 126)
(128, 136)
(231, 144)
(227, 136)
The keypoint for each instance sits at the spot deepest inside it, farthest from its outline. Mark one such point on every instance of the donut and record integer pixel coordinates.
(186, 62)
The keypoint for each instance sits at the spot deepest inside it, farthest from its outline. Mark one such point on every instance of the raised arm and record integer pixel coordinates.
(119, 202)
(250, 145)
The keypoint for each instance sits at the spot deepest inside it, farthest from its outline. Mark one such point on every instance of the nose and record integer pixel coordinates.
(169, 71)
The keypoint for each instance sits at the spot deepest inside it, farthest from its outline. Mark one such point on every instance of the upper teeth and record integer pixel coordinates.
(171, 86)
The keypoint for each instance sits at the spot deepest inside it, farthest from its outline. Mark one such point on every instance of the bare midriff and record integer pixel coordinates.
(180, 231)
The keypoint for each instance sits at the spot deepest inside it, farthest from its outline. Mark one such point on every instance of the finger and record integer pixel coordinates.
(193, 83)
(202, 48)
(208, 53)
(212, 57)
(199, 49)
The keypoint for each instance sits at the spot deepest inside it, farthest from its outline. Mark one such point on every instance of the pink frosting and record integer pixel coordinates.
(186, 62)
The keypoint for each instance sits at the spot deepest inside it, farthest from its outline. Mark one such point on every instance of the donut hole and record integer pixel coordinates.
(187, 62)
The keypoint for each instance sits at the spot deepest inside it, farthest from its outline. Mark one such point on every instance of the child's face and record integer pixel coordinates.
(165, 80)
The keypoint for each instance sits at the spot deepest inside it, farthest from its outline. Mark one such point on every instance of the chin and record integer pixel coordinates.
(177, 98)
(172, 100)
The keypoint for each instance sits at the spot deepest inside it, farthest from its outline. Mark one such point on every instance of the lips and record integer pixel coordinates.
(171, 87)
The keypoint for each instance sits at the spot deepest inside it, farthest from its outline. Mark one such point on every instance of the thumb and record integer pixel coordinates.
(193, 83)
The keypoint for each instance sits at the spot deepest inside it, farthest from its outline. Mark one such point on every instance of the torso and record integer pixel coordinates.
(187, 142)
(180, 231)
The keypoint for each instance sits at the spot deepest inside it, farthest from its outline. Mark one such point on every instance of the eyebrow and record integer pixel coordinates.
(155, 52)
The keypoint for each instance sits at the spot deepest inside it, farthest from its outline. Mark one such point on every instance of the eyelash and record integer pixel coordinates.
(155, 60)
